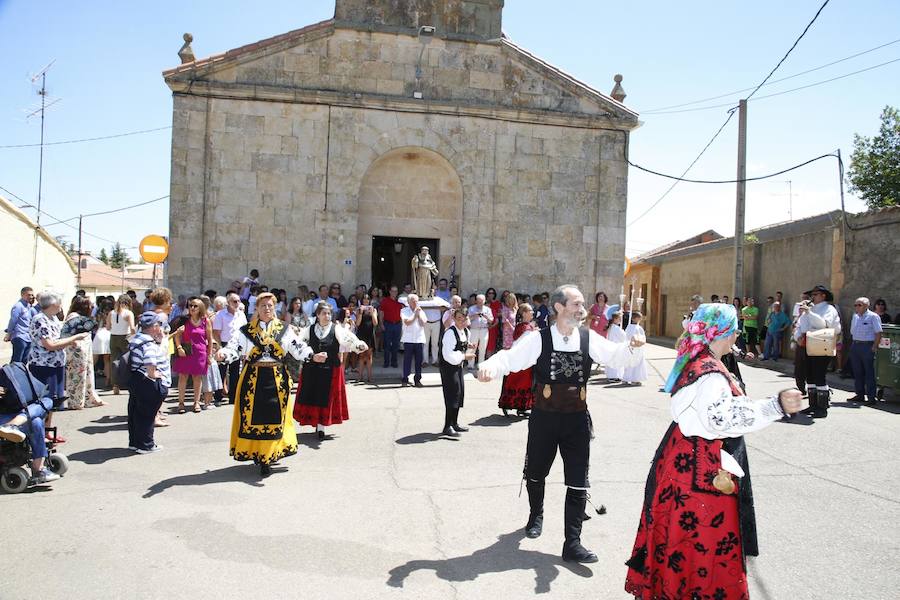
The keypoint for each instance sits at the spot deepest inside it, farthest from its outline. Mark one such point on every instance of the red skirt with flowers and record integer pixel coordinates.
(336, 412)
(518, 391)
(688, 542)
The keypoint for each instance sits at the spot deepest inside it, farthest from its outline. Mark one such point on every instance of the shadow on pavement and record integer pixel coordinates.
(98, 456)
(95, 429)
(497, 421)
(111, 419)
(798, 419)
(247, 473)
(422, 438)
(504, 555)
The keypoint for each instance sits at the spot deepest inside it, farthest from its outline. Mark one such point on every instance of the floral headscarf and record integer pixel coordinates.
(710, 322)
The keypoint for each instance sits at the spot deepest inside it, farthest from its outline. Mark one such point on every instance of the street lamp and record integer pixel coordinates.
(425, 35)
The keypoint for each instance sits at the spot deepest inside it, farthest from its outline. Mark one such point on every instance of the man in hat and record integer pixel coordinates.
(562, 356)
(822, 315)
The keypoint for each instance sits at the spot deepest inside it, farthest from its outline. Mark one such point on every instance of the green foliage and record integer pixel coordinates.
(104, 257)
(751, 238)
(875, 168)
(118, 258)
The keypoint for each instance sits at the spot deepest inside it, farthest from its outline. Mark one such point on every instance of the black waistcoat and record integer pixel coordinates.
(328, 344)
(556, 366)
(461, 346)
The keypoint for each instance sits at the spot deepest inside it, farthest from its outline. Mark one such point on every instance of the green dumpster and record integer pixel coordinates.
(887, 359)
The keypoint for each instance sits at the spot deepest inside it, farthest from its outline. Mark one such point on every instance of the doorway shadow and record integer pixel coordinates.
(504, 555)
(246, 473)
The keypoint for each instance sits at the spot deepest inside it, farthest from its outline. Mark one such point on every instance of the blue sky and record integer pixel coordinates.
(109, 57)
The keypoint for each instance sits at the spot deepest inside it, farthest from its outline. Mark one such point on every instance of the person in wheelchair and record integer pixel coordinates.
(18, 423)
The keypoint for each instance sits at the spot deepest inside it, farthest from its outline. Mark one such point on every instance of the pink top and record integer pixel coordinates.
(195, 337)
(598, 319)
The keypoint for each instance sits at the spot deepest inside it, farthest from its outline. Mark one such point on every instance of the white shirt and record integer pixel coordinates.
(309, 306)
(415, 333)
(344, 336)
(527, 349)
(866, 327)
(226, 323)
(480, 317)
(448, 346)
(239, 346)
(821, 315)
(708, 409)
(432, 315)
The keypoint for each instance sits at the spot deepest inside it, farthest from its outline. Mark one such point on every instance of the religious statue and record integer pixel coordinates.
(424, 273)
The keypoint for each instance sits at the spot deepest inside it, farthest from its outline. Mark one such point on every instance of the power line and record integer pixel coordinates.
(772, 95)
(731, 112)
(760, 177)
(774, 81)
(92, 139)
(115, 210)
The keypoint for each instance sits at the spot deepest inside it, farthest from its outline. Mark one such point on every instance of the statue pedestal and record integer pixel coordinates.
(427, 303)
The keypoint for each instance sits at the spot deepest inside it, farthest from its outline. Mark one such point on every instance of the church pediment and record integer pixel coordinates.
(327, 58)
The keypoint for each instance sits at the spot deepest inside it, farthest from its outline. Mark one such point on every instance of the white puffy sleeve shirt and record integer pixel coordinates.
(345, 337)
(239, 345)
(448, 346)
(708, 409)
(527, 349)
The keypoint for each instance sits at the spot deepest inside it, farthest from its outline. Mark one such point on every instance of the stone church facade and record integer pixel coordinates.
(321, 153)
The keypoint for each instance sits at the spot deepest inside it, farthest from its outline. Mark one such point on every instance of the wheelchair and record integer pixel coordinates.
(14, 456)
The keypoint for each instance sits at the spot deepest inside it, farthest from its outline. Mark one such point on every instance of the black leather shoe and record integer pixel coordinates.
(579, 554)
(419, 384)
(459, 428)
(321, 435)
(404, 383)
(265, 470)
(448, 432)
(856, 398)
(535, 526)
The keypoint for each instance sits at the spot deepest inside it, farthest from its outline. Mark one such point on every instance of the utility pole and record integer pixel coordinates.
(740, 201)
(80, 217)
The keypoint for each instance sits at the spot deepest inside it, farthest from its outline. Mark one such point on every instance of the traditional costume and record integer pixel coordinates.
(560, 418)
(697, 524)
(321, 392)
(454, 345)
(638, 372)
(517, 392)
(262, 429)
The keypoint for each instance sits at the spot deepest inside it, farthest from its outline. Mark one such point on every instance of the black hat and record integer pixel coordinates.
(829, 297)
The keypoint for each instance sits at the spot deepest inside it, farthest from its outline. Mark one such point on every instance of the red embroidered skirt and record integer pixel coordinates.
(336, 412)
(517, 392)
(688, 544)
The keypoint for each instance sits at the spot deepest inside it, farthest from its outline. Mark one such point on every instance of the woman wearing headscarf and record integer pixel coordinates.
(322, 391)
(697, 524)
(262, 429)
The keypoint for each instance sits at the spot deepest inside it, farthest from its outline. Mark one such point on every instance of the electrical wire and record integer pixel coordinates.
(731, 112)
(772, 95)
(93, 139)
(709, 181)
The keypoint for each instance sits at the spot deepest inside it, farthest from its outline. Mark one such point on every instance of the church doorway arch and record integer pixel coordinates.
(409, 193)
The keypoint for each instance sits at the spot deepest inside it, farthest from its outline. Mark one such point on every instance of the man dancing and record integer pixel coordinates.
(562, 356)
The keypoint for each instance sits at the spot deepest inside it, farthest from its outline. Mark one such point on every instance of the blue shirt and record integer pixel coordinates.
(864, 328)
(20, 320)
(777, 321)
(445, 294)
(541, 316)
(145, 352)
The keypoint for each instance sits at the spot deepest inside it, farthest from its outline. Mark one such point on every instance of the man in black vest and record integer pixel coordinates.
(561, 355)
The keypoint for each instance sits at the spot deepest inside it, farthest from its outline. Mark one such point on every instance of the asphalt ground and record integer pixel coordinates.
(386, 508)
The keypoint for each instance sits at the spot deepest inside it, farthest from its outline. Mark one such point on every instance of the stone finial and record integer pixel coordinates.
(186, 54)
(618, 92)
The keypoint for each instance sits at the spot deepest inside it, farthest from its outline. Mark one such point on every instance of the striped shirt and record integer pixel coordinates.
(145, 352)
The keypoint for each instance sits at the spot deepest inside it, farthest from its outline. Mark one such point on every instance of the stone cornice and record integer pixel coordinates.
(242, 91)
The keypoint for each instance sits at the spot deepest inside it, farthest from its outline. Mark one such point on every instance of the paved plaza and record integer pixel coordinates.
(387, 509)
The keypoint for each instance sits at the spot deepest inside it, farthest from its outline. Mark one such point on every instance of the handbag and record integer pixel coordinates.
(821, 342)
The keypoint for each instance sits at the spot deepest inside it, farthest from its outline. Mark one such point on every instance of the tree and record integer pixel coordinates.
(118, 258)
(875, 163)
(104, 258)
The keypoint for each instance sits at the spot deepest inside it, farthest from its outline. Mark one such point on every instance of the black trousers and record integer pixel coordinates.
(453, 385)
(816, 369)
(232, 371)
(800, 368)
(144, 400)
(571, 434)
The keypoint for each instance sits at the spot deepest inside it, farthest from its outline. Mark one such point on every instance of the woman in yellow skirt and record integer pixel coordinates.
(262, 429)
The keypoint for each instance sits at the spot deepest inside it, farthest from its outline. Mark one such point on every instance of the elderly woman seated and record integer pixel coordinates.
(18, 422)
